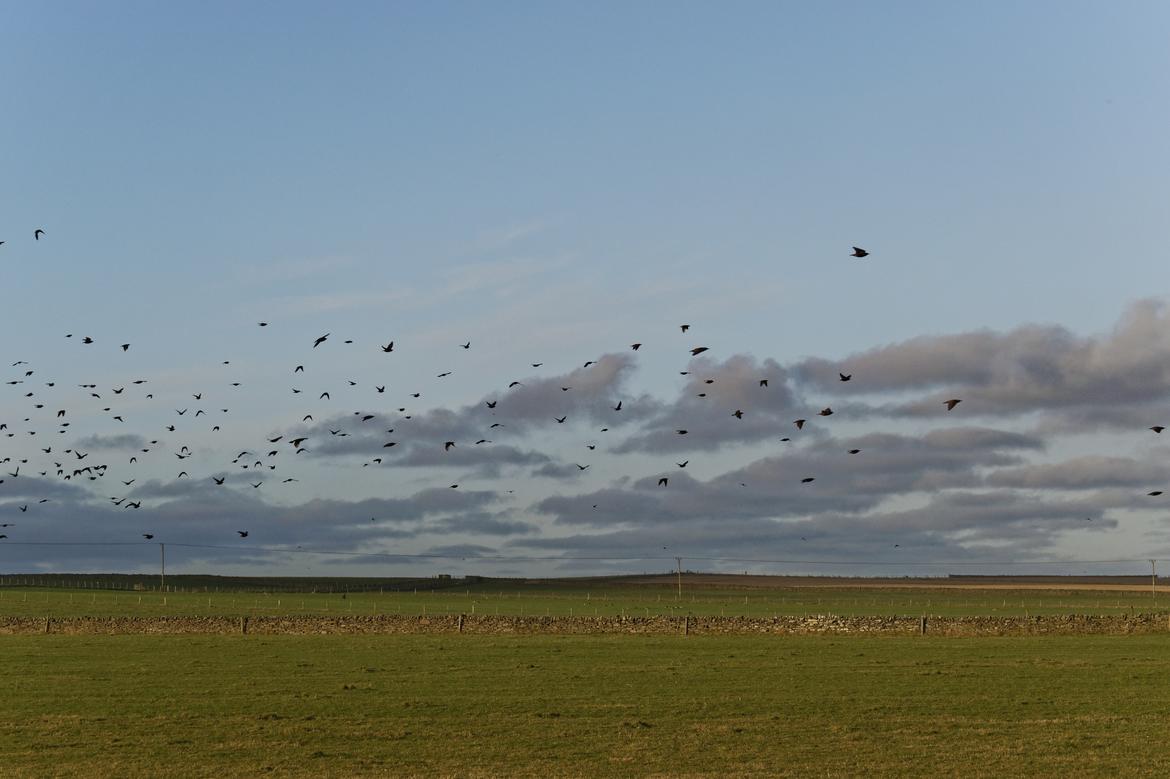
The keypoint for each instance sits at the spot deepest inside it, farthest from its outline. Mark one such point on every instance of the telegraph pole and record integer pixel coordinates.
(679, 561)
(162, 571)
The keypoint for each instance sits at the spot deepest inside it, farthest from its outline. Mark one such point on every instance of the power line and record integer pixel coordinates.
(572, 558)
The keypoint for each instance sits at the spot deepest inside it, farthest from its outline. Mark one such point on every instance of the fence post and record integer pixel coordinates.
(460, 623)
(244, 625)
(922, 625)
(687, 625)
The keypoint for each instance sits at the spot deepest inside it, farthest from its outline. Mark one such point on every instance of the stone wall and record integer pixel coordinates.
(497, 625)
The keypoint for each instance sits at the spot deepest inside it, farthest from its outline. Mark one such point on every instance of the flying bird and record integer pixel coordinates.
(825, 412)
(799, 423)
(447, 445)
(808, 479)
(38, 233)
(320, 340)
(663, 481)
(1158, 428)
(859, 252)
(698, 350)
(845, 376)
(684, 328)
(388, 347)
(243, 533)
(950, 404)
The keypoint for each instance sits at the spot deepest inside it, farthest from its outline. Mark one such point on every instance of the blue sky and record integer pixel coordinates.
(554, 182)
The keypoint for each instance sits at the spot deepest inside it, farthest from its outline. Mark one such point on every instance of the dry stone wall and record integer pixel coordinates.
(497, 625)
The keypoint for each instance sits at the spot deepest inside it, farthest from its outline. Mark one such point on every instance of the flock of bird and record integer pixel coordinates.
(71, 464)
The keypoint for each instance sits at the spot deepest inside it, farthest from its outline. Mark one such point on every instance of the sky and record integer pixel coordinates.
(552, 183)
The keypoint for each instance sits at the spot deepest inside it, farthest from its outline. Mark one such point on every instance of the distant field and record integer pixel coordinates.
(634, 596)
(216, 706)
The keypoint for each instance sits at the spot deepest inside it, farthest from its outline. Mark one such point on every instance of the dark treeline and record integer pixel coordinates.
(200, 583)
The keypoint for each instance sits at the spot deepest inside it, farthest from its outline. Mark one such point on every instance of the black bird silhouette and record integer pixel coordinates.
(859, 252)
(38, 233)
(799, 423)
(581, 467)
(388, 347)
(243, 533)
(635, 347)
(763, 382)
(618, 407)
(808, 479)
(698, 350)
(492, 403)
(218, 480)
(683, 464)
(854, 451)
(1158, 428)
(148, 536)
(825, 412)
(447, 445)
(125, 347)
(845, 376)
(561, 420)
(663, 481)
(950, 404)
(262, 324)
(320, 340)
(684, 328)
(466, 345)
(737, 414)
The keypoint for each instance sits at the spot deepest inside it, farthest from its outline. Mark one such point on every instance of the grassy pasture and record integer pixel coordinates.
(603, 599)
(582, 706)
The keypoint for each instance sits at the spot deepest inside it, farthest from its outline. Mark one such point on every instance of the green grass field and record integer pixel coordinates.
(582, 706)
(602, 600)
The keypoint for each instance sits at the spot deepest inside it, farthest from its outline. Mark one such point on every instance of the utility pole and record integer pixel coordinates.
(679, 561)
(162, 571)
(1153, 578)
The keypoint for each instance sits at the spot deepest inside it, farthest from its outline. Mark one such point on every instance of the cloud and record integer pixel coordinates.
(1034, 368)
(125, 441)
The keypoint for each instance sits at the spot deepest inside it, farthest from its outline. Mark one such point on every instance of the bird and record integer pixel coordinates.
(738, 414)
(683, 464)
(320, 340)
(663, 481)
(125, 347)
(618, 407)
(684, 328)
(1158, 428)
(950, 404)
(808, 479)
(218, 479)
(466, 345)
(1154, 494)
(37, 234)
(148, 536)
(859, 252)
(561, 420)
(854, 451)
(825, 412)
(635, 347)
(243, 533)
(845, 376)
(763, 382)
(581, 467)
(388, 347)
(698, 350)
(447, 445)
(799, 423)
